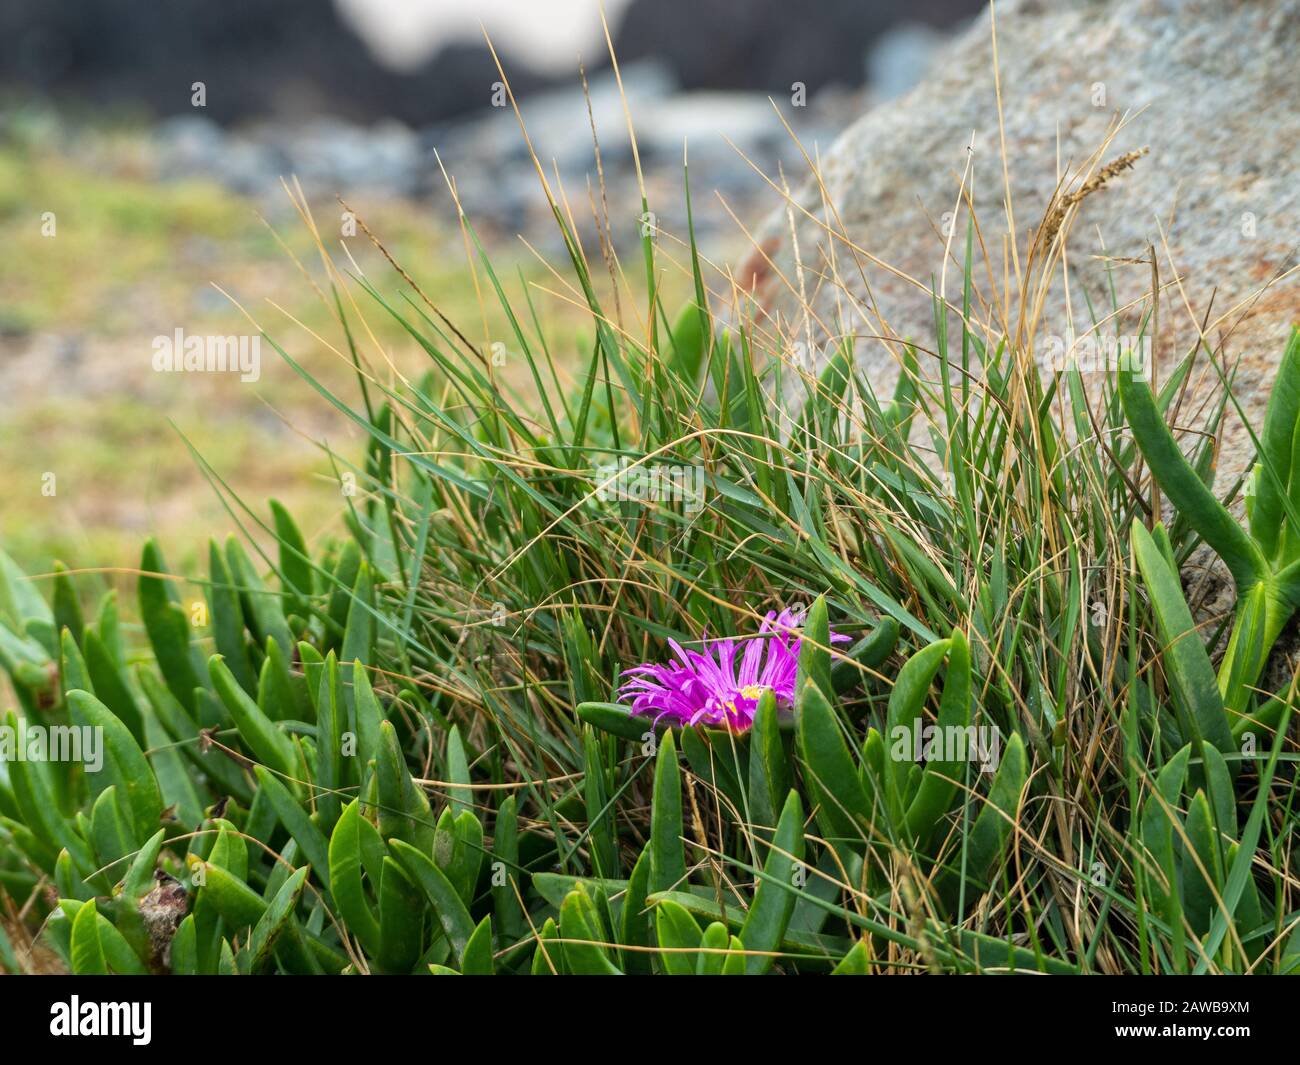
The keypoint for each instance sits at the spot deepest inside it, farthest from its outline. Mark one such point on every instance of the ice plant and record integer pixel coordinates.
(721, 684)
(1263, 558)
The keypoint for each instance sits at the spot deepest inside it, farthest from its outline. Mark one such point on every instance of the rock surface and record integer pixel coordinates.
(1210, 86)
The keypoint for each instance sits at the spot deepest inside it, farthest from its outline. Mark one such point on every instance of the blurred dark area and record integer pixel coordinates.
(765, 45)
(283, 59)
(295, 58)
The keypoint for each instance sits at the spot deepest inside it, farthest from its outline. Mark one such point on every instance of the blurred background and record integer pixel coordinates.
(142, 153)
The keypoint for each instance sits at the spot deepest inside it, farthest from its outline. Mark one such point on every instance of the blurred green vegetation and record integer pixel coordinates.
(132, 258)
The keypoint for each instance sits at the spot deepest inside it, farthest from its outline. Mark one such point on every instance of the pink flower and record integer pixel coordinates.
(720, 686)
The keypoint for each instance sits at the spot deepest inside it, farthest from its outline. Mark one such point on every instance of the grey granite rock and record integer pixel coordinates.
(1212, 87)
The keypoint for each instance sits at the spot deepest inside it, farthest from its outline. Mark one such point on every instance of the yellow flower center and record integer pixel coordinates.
(752, 692)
